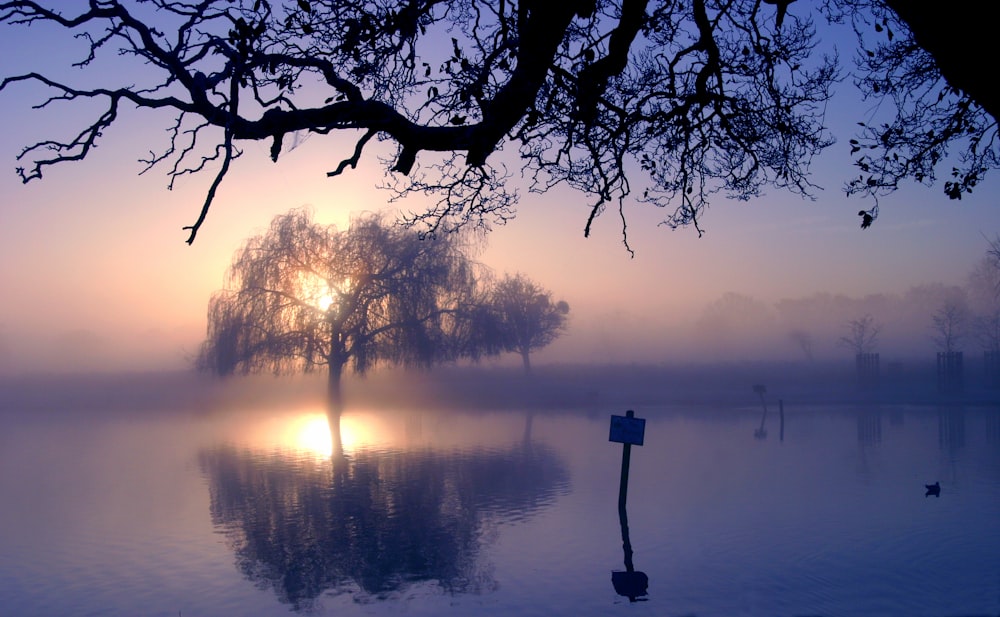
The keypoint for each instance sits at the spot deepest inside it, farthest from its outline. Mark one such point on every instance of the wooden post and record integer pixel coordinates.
(626, 458)
(622, 499)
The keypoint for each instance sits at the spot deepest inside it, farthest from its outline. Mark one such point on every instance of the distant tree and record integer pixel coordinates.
(983, 285)
(986, 329)
(520, 316)
(303, 296)
(862, 335)
(993, 255)
(680, 100)
(804, 341)
(948, 325)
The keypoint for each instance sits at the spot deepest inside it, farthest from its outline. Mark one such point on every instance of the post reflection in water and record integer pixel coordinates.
(951, 428)
(372, 522)
(869, 422)
(631, 583)
(761, 432)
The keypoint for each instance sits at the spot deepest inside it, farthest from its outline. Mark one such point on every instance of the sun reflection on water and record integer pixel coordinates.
(307, 431)
(311, 433)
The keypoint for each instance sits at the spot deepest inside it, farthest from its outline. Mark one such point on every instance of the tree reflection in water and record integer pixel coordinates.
(375, 522)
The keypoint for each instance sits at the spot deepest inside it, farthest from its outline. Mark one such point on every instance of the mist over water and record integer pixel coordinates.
(490, 386)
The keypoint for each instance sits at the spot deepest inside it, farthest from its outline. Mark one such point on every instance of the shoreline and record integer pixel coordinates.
(483, 387)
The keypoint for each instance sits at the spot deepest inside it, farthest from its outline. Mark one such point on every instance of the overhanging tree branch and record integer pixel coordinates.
(675, 101)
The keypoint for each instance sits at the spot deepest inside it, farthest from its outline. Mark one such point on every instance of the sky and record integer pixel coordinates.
(96, 276)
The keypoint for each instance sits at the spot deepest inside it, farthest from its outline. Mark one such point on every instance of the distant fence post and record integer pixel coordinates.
(991, 362)
(868, 370)
(869, 427)
(949, 371)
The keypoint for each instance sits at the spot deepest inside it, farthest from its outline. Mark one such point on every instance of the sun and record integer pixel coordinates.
(320, 293)
(315, 291)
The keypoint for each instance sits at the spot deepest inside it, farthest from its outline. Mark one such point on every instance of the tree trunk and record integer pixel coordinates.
(336, 441)
(335, 401)
(334, 405)
(526, 357)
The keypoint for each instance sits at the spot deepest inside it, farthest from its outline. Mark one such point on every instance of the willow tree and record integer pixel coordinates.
(520, 316)
(630, 102)
(304, 296)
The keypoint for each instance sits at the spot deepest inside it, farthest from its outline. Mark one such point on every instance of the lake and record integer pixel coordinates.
(816, 511)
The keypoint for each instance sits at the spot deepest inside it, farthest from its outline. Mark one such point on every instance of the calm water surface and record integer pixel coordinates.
(260, 513)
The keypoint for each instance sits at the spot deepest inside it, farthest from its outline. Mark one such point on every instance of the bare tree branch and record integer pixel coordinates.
(630, 102)
(862, 335)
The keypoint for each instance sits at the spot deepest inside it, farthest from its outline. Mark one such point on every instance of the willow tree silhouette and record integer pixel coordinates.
(376, 522)
(518, 315)
(303, 296)
(627, 101)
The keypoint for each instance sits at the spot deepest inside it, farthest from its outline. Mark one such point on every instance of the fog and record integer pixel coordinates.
(739, 328)
(795, 346)
(733, 327)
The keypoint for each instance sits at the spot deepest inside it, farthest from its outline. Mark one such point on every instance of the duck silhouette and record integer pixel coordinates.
(933, 489)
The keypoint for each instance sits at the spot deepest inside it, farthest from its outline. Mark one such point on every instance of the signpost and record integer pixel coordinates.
(628, 431)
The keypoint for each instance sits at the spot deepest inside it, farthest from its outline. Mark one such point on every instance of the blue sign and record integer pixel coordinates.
(627, 429)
